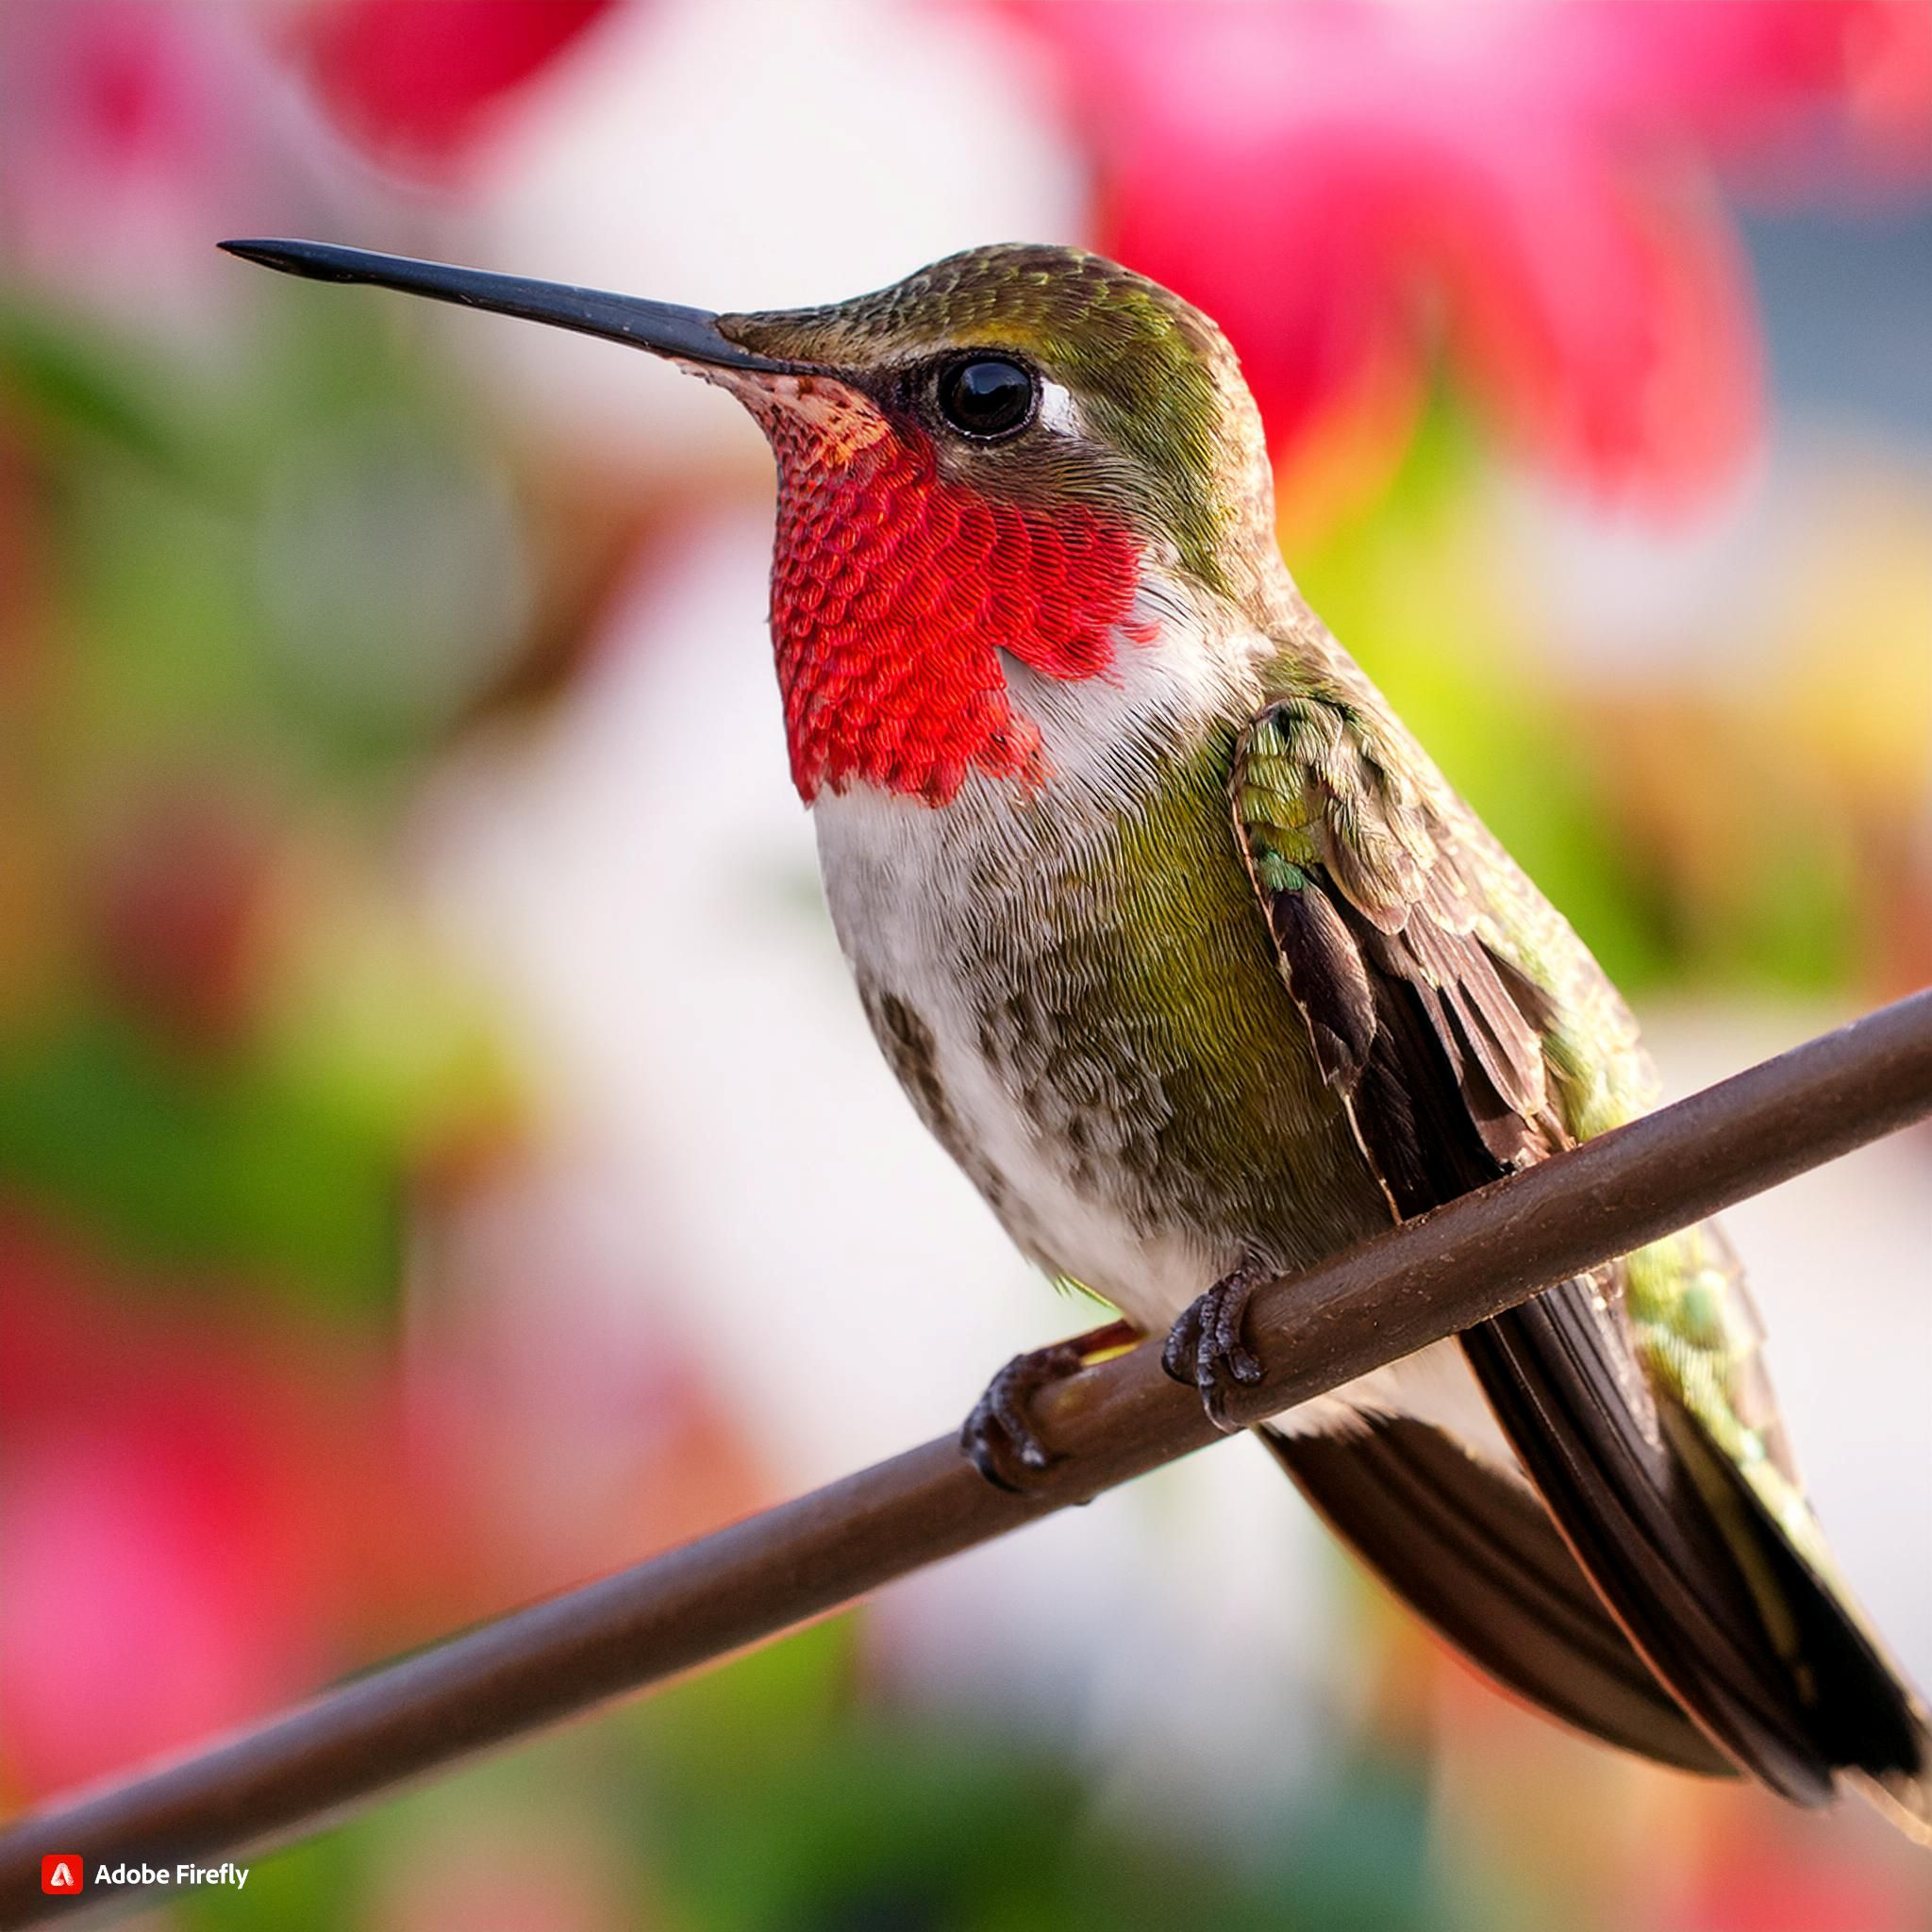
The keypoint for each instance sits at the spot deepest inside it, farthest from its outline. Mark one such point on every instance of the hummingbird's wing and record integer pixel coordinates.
(1469, 1033)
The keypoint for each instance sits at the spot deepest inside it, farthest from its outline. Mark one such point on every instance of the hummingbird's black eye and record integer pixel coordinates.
(986, 396)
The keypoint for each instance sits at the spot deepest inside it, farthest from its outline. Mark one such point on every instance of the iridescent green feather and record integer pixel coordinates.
(1327, 776)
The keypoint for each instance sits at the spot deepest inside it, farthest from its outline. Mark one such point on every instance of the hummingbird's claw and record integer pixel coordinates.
(998, 1437)
(1203, 1348)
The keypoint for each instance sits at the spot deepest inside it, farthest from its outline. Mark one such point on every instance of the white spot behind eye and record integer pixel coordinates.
(1058, 411)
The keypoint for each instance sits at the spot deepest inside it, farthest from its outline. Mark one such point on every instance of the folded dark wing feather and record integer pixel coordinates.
(1381, 903)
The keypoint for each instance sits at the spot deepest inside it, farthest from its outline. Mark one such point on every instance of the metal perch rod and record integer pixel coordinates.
(1421, 1281)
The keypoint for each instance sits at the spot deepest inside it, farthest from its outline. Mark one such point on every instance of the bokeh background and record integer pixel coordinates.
(441, 1156)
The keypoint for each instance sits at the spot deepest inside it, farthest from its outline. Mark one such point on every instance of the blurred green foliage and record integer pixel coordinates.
(246, 1089)
(781, 1792)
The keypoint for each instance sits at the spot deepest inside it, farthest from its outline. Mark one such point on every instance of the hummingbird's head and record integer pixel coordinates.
(1020, 470)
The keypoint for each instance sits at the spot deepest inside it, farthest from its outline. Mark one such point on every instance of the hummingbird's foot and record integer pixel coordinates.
(1205, 1349)
(998, 1437)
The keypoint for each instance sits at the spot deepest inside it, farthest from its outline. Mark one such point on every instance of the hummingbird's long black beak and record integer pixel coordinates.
(663, 327)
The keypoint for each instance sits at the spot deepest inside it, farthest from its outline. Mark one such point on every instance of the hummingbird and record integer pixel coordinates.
(1191, 957)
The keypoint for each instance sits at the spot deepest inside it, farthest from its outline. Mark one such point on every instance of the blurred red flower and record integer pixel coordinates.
(415, 81)
(1351, 188)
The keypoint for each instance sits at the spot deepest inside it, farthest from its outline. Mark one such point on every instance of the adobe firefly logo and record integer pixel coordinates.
(62, 1873)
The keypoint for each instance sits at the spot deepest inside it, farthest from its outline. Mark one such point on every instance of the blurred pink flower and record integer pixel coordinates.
(1351, 188)
(416, 81)
(570, 1427)
(213, 1504)
(199, 1511)
(132, 132)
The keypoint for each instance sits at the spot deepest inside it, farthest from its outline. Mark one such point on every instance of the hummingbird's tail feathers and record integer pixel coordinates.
(1905, 1803)
(1868, 1720)
(1473, 1553)
(1759, 1648)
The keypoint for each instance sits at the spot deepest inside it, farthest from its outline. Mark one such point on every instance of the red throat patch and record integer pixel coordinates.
(893, 590)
